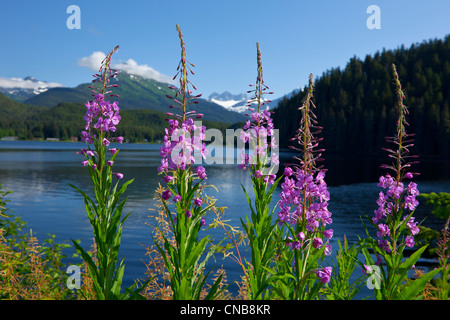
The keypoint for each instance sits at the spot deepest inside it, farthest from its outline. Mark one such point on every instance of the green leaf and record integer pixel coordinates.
(408, 263)
(414, 288)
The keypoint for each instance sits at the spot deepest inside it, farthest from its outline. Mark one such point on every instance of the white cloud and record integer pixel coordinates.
(93, 62)
(130, 66)
(26, 83)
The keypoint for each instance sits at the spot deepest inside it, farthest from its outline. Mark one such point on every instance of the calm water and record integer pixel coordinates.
(39, 173)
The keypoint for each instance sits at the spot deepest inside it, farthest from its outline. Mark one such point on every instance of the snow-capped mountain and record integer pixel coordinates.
(233, 102)
(21, 89)
(237, 102)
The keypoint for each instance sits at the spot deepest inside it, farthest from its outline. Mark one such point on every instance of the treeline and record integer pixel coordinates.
(356, 105)
(65, 121)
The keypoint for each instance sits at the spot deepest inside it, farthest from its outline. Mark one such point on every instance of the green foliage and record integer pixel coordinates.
(186, 254)
(341, 287)
(260, 230)
(355, 101)
(29, 270)
(395, 283)
(105, 216)
(440, 203)
(65, 120)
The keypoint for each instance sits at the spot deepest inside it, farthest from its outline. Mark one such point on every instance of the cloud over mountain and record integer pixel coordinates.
(130, 66)
(93, 61)
(26, 83)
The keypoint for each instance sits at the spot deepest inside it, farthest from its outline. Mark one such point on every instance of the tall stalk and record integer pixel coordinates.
(304, 214)
(260, 226)
(105, 214)
(186, 254)
(394, 219)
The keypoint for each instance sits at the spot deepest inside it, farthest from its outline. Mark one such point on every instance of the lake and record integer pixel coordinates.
(39, 173)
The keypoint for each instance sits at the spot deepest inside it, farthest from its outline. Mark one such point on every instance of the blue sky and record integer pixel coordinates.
(296, 38)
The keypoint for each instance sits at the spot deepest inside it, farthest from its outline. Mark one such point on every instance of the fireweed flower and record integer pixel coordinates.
(183, 140)
(393, 218)
(303, 207)
(398, 200)
(257, 132)
(259, 129)
(101, 119)
(324, 274)
(305, 196)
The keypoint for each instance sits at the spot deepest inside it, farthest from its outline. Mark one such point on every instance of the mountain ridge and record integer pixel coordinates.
(135, 92)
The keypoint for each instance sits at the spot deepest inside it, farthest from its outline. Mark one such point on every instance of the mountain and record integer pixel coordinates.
(237, 102)
(135, 92)
(21, 89)
(355, 105)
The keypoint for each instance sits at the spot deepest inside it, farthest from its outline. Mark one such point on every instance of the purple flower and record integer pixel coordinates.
(412, 226)
(395, 190)
(328, 233)
(245, 136)
(301, 236)
(384, 244)
(296, 245)
(85, 162)
(203, 221)
(86, 136)
(113, 151)
(176, 198)
(110, 163)
(412, 189)
(288, 172)
(201, 172)
(269, 179)
(188, 213)
(198, 202)
(167, 178)
(409, 241)
(119, 175)
(119, 139)
(317, 243)
(257, 174)
(327, 250)
(324, 274)
(105, 142)
(166, 194)
(411, 203)
(383, 230)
